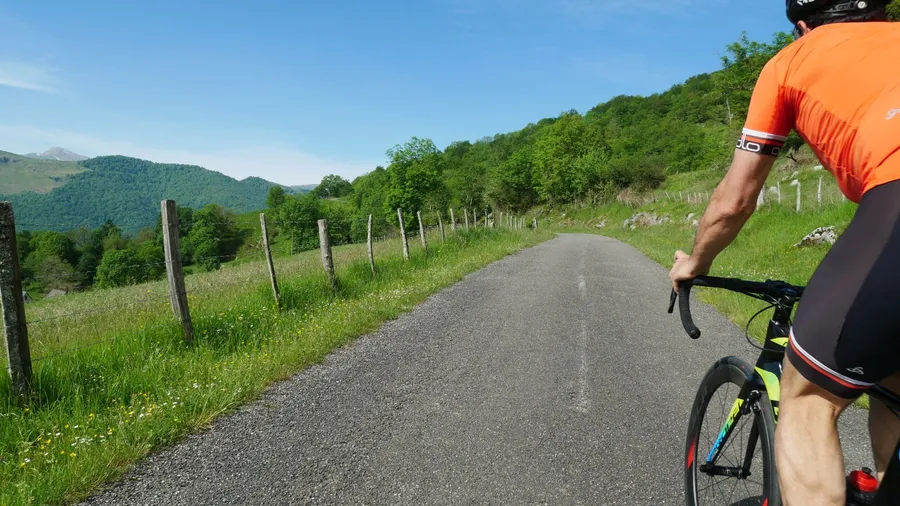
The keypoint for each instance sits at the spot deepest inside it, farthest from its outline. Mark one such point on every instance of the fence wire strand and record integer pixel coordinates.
(201, 286)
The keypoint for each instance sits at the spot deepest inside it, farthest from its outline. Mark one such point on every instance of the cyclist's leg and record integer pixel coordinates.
(843, 341)
(884, 426)
(807, 449)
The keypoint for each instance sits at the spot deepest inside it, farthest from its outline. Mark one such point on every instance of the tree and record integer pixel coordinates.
(54, 273)
(119, 268)
(46, 244)
(214, 236)
(742, 63)
(369, 192)
(297, 217)
(415, 177)
(555, 153)
(510, 184)
(894, 11)
(142, 263)
(23, 245)
(332, 187)
(275, 198)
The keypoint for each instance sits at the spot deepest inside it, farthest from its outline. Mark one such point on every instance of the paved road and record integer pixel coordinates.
(551, 377)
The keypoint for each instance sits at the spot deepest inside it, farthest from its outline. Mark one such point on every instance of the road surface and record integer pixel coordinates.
(554, 376)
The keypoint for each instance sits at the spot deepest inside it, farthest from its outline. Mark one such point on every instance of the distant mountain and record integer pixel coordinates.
(303, 188)
(20, 174)
(125, 190)
(58, 154)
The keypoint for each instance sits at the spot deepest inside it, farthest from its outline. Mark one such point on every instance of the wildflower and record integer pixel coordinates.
(73, 455)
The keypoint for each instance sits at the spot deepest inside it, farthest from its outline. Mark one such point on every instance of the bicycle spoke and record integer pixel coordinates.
(723, 478)
(731, 495)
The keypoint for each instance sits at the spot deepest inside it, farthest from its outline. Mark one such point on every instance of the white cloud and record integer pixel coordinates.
(28, 76)
(278, 164)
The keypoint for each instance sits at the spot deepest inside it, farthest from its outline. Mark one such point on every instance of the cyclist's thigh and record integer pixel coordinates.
(845, 333)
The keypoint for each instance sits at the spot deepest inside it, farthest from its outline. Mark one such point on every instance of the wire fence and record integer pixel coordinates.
(81, 319)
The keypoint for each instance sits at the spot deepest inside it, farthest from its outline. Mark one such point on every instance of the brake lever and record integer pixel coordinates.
(672, 299)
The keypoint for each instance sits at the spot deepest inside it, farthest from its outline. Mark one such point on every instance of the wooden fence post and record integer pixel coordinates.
(798, 196)
(820, 190)
(441, 225)
(502, 224)
(761, 198)
(403, 234)
(778, 188)
(475, 218)
(327, 260)
(17, 348)
(534, 224)
(174, 268)
(265, 236)
(466, 213)
(485, 218)
(371, 248)
(452, 220)
(422, 232)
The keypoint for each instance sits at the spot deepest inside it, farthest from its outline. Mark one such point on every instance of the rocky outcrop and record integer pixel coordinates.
(818, 237)
(642, 220)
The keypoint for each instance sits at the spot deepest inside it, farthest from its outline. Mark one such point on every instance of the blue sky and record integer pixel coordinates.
(291, 91)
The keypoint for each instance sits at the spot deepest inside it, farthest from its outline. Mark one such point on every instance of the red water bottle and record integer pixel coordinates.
(862, 488)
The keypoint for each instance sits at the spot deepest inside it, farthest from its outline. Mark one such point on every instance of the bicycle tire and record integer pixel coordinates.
(705, 489)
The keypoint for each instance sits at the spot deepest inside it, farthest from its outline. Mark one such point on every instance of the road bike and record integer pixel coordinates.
(730, 457)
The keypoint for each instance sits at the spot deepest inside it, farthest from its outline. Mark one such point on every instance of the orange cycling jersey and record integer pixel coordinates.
(839, 88)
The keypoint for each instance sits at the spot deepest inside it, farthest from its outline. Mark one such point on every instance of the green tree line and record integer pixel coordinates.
(107, 257)
(629, 143)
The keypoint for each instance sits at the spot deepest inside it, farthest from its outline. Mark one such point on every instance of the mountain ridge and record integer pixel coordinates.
(125, 190)
(58, 154)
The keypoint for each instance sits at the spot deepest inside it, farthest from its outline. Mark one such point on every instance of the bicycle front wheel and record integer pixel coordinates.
(730, 458)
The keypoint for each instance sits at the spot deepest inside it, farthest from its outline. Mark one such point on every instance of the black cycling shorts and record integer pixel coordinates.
(846, 334)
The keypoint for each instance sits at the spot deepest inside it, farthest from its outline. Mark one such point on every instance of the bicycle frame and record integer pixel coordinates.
(766, 377)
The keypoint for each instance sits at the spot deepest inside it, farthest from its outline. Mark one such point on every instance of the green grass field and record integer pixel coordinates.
(19, 174)
(112, 386)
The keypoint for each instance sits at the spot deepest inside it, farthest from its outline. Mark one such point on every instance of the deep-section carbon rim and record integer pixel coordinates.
(722, 482)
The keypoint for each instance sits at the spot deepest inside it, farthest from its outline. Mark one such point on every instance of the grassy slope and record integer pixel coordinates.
(128, 191)
(764, 250)
(102, 407)
(19, 174)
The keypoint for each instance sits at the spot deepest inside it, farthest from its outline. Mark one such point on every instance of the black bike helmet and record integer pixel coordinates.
(824, 10)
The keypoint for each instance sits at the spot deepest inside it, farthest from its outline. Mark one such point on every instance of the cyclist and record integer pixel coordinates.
(838, 86)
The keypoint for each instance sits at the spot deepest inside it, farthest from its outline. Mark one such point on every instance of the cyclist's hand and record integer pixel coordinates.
(684, 269)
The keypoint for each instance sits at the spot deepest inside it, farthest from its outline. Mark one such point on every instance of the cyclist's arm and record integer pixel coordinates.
(731, 206)
(769, 120)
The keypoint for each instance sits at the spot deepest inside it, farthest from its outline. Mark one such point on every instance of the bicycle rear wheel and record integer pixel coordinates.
(730, 458)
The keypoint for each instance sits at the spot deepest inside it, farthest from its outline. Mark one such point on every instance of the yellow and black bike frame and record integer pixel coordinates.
(765, 377)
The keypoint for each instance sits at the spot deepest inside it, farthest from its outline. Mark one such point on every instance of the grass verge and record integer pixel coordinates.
(98, 409)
